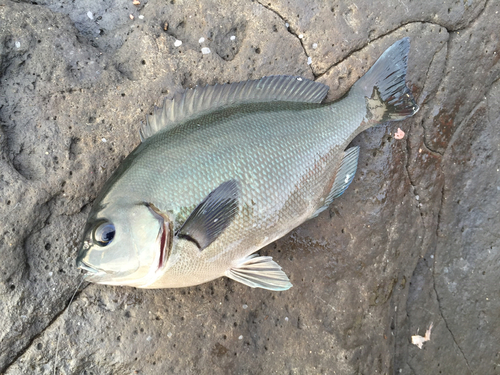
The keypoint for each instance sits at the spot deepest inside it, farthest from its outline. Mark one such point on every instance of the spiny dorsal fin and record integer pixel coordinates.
(200, 100)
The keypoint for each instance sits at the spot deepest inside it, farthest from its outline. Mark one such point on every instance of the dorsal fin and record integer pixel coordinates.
(199, 100)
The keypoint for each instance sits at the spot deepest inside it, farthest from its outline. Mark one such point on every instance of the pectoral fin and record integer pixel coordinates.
(260, 272)
(212, 216)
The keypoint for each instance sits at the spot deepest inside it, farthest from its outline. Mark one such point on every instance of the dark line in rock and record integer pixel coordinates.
(410, 179)
(474, 19)
(434, 280)
(289, 29)
(446, 322)
(411, 368)
(429, 68)
(35, 337)
(374, 40)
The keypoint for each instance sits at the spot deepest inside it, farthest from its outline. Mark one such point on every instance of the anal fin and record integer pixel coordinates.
(260, 272)
(345, 175)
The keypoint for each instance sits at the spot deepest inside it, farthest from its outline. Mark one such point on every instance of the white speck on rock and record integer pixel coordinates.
(177, 43)
(240, 337)
(149, 338)
(286, 318)
(232, 37)
(287, 25)
(201, 40)
(169, 335)
(51, 273)
(18, 44)
(299, 79)
(90, 15)
(309, 60)
(205, 50)
(141, 17)
(104, 140)
(245, 306)
(315, 45)
(301, 36)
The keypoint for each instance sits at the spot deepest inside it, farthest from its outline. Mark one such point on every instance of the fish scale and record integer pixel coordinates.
(208, 187)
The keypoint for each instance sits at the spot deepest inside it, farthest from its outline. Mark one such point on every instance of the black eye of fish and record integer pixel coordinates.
(104, 233)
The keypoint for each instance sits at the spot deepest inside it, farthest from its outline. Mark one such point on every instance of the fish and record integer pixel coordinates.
(224, 170)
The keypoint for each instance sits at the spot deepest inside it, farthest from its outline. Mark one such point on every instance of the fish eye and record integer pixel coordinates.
(104, 233)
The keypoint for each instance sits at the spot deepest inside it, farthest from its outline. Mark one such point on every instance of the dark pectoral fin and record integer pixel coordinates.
(212, 216)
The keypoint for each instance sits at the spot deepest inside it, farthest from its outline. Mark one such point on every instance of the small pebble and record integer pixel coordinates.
(245, 306)
(131, 16)
(141, 17)
(135, 2)
(232, 37)
(301, 36)
(315, 45)
(18, 44)
(51, 273)
(309, 60)
(287, 25)
(149, 338)
(286, 318)
(90, 15)
(177, 43)
(399, 134)
(240, 337)
(169, 335)
(104, 140)
(205, 50)
(201, 40)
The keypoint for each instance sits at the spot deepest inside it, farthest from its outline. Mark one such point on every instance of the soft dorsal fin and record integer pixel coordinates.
(199, 100)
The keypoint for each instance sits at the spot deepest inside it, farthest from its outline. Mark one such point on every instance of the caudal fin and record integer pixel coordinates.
(384, 87)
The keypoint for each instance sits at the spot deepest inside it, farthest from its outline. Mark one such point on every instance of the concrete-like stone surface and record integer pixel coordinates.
(413, 241)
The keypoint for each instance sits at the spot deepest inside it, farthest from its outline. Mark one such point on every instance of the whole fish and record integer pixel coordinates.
(224, 170)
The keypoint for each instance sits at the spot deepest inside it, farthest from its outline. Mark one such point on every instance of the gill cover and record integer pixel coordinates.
(125, 244)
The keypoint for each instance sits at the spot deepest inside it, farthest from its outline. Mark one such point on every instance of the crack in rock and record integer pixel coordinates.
(289, 29)
(444, 319)
(56, 317)
(434, 282)
(407, 166)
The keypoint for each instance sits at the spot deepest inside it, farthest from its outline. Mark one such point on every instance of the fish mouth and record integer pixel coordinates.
(89, 269)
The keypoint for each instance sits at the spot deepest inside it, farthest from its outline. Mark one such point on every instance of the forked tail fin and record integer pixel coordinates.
(384, 88)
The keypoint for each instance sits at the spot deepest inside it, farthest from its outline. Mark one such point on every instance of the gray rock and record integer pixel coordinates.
(412, 241)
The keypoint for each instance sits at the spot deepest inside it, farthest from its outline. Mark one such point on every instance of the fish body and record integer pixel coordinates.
(223, 171)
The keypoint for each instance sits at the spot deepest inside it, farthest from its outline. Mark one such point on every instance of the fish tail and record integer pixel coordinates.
(384, 88)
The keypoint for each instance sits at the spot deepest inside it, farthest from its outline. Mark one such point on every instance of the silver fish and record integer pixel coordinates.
(224, 170)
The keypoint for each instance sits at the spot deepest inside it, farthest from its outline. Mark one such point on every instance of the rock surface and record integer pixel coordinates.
(413, 241)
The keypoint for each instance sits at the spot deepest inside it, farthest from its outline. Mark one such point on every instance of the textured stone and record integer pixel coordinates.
(412, 241)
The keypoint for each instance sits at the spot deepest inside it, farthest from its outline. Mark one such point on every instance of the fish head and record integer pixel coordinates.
(124, 244)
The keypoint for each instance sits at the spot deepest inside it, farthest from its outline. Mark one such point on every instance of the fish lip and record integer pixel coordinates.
(91, 271)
